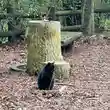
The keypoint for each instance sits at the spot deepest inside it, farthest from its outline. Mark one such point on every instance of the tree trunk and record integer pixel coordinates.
(10, 23)
(88, 17)
(52, 13)
(44, 44)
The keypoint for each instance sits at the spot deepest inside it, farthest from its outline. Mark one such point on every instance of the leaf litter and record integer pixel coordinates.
(90, 77)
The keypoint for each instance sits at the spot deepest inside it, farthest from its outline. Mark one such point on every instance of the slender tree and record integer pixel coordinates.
(88, 17)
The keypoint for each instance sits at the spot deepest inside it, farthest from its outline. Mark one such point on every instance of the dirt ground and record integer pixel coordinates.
(90, 77)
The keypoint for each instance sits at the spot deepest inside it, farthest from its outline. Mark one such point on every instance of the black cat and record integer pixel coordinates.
(45, 77)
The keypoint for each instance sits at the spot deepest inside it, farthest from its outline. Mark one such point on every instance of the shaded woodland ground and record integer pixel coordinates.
(90, 76)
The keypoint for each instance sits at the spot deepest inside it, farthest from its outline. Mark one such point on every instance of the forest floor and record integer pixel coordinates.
(90, 77)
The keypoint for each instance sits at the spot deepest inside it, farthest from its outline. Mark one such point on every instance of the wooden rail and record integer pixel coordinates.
(58, 13)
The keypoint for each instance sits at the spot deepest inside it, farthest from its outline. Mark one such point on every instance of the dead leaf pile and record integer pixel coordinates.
(90, 75)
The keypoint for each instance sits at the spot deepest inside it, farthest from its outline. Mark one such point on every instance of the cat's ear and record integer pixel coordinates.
(49, 62)
(53, 62)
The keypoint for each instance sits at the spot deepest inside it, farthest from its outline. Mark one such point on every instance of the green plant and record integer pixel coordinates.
(102, 21)
(107, 24)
